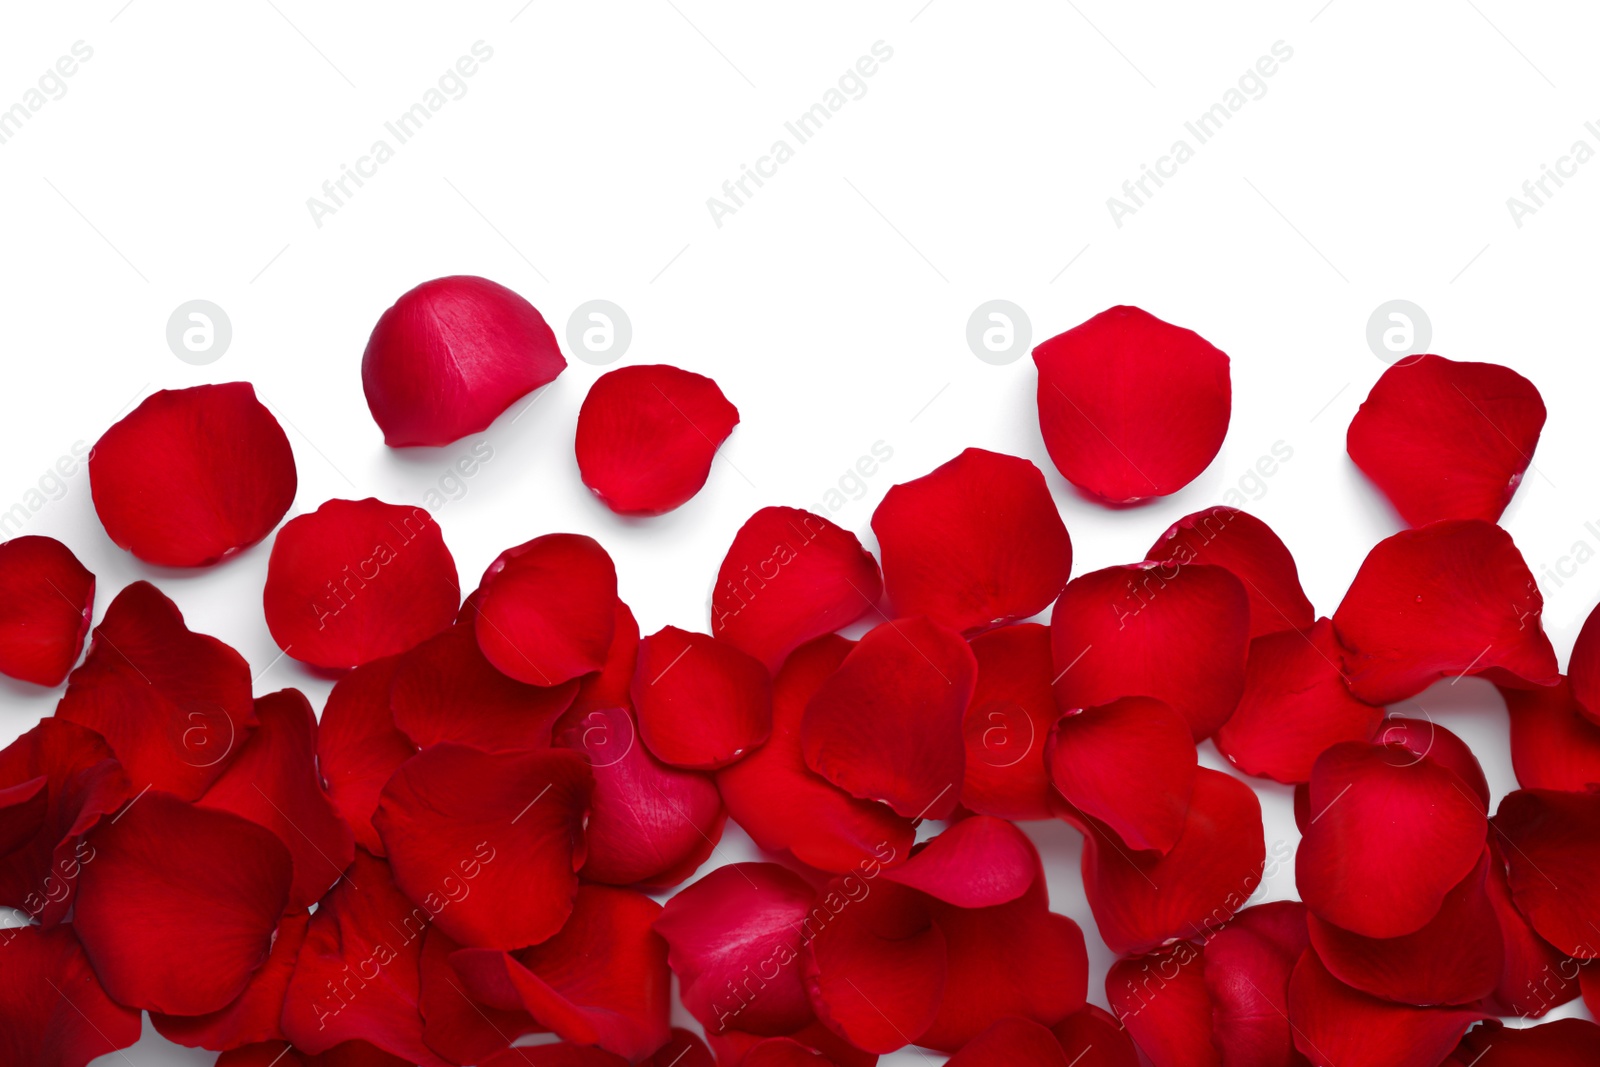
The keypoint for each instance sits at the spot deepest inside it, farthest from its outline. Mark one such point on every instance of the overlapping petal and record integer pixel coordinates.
(1537, 976)
(546, 612)
(1554, 744)
(1248, 964)
(1336, 1026)
(53, 1011)
(1131, 765)
(1164, 1003)
(1553, 865)
(1011, 1041)
(46, 602)
(1092, 1037)
(256, 1015)
(1008, 724)
(1563, 1043)
(701, 702)
(978, 862)
(358, 747)
(1239, 542)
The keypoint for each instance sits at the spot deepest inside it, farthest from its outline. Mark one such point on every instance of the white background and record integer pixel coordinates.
(832, 306)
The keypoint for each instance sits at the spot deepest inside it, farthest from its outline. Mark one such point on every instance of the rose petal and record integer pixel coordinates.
(562, 1055)
(548, 611)
(1243, 544)
(609, 687)
(1130, 406)
(1552, 864)
(1008, 723)
(171, 703)
(1424, 737)
(1178, 634)
(177, 907)
(256, 1015)
(1162, 1001)
(701, 702)
(1336, 1026)
(783, 1052)
(734, 1048)
(974, 544)
(1011, 1041)
(357, 580)
(887, 724)
(1536, 976)
(46, 602)
(1554, 745)
(1130, 764)
(1092, 1037)
(53, 1012)
(782, 804)
(192, 475)
(1563, 1043)
(1451, 598)
(788, 577)
(1447, 440)
(455, 1025)
(683, 1049)
(1391, 833)
(977, 863)
(647, 435)
(452, 354)
(1248, 964)
(358, 747)
(1583, 669)
(23, 808)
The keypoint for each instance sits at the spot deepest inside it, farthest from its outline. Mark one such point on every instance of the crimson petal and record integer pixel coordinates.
(1583, 668)
(978, 862)
(46, 602)
(783, 1052)
(1163, 1001)
(1336, 1026)
(1008, 723)
(610, 685)
(256, 1014)
(1092, 1037)
(1553, 864)
(358, 747)
(547, 612)
(457, 1026)
(1537, 977)
(445, 690)
(1424, 737)
(1248, 964)
(562, 1055)
(1563, 1043)
(1011, 1041)
(1130, 764)
(1554, 744)
(734, 1048)
(53, 1011)
(1238, 541)
(701, 702)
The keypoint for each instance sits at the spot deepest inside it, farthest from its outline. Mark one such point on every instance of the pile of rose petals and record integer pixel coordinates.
(470, 844)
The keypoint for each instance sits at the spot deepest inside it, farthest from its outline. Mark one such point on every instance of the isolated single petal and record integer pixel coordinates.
(1336, 1026)
(1553, 865)
(1238, 541)
(46, 602)
(1554, 744)
(702, 703)
(1130, 764)
(256, 1014)
(1008, 724)
(547, 611)
(53, 1011)
(358, 747)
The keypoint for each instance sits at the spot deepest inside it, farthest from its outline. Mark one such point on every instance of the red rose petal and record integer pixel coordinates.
(1011, 1041)
(783, 804)
(172, 704)
(192, 475)
(734, 1048)
(67, 781)
(177, 907)
(452, 354)
(701, 702)
(1424, 737)
(1092, 1037)
(1553, 865)
(445, 690)
(358, 747)
(1447, 440)
(1554, 745)
(1583, 669)
(513, 820)
(53, 1012)
(1243, 544)
(1008, 723)
(1163, 1002)
(273, 782)
(887, 724)
(1130, 764)
(1295, 706)
(256, 1015)
(734, 938)
(1451, 598)
(1178, 634)
(562, 1055)
(46, 602)
(788, 577)
(1391, 833)
(1537, 977)
(1130, 406)
(1142, 900)
(647, 435)
(974, 544)
(357, 580)
(609, 687)
(683, 1049)
(1336, 1026)
(1248, 964)
(547, 612)
(978, 862)
(455, 1025)
(1563, 1043)
(783, 1052)
(602, 980)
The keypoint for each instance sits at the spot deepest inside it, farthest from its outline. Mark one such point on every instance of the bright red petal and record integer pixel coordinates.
(456, 1025)
(1131, 406)
(1336, 1026)
(1009, 1042)
(683, 1049)
(547, 612)
(1008, 723)
(562, 1055)
(1447, 440)
(452, 354)
(647, 435)
(53, 1012)
(1130, 764)
(1092, 1037)
(358, 747)
(1549, 843)
(192, 475)
(1248, 964)
(610, 685)
(978, 862)
(1241, 543)
(445, 690)
(1554, 745)
(1537, 977)
(46, 602)
(783, 1052)
(1178, 634)
(256, 1015)
(1163, 1002)
(1451, 598)
(1563, 1043)
(702, 703)
(975, 544)
(1424, 737)
(1583, 669)
(734, 1048)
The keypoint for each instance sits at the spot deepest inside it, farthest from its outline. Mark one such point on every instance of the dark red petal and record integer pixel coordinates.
(357, 580)
(62, 780)
(1131, 406)
(358, 747)
(1163, 1002)
(357, 978)
(788, 577)
(978, 862)
(1009, 1042)
(273, 782)
(1536, 977)
(53, 1012)
(510, 823)
(1130, 764)
(445, 690)
(734, 1048)
(256, 1015)
(1424, 737)
(1456, 958)
(1583, 669)
(192, 475)
(782, 804)
(1554, 745)
(1451, 598)
(177, 906)
(172, 704)
(46, 602)
(1447, 440)
(1391, 833)
(455, 1024)
(1295, 705)
(452, 354)
(734, 938)
(548, 609)
(874, 963)
(1247, 966)
(1553, 865)
(783, 1052)
(610, 685)
(1178, 634)
(683, 1049)
(562, 1055)
(974, 544)
(1092, 1037)
(1141, 900)
(701, 702)
(1336, 1026)
(1563, 1043)
(647, 435)
(1241, 543)
(887, 724)
(602, 980)
(1589, 980)
(1008, 723)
